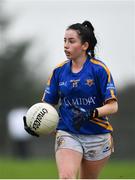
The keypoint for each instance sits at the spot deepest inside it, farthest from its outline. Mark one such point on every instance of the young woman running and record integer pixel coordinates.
(87, 94)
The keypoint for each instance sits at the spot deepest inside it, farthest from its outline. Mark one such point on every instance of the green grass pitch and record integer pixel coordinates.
(46, 169)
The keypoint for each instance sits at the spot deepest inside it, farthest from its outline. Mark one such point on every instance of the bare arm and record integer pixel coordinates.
(109, 108)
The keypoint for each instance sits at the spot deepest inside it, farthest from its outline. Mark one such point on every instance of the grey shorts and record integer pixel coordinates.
(93, 147)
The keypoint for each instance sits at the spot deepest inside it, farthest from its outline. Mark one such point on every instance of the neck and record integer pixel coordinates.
(78, 62)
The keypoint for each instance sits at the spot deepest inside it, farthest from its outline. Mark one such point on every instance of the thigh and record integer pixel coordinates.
(92, 169)
(68, 163)
(68, 154)
(97, 151)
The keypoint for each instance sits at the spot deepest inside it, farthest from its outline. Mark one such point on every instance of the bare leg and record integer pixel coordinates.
(92, 169)
(68, 163)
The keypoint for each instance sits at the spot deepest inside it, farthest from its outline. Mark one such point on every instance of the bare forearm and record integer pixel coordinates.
(108, 109)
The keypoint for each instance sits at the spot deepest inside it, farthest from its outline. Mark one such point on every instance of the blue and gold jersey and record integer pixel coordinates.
(90, 88)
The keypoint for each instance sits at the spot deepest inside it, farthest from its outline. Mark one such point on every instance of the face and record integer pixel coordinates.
(73, 46)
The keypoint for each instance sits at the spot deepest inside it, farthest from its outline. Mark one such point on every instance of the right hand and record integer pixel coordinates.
(80, 116)
(27, 129)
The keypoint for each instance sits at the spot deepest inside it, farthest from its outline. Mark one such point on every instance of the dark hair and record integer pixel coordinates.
(86, 33)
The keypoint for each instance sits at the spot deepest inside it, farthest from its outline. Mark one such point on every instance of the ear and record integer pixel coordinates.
(85, 46)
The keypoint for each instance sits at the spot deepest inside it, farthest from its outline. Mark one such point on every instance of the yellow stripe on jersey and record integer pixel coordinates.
(101, 64)
(102, 123)
(59, 65)
(49, 79)
(112, 93)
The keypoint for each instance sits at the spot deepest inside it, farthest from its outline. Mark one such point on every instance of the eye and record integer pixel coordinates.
(72, 41)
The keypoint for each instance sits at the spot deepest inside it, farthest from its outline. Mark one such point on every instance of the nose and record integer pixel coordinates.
(66, 45)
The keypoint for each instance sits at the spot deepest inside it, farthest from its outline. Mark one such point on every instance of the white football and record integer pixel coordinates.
(42, 118)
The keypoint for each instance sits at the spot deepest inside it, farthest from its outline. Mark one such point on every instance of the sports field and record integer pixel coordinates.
(46, 169)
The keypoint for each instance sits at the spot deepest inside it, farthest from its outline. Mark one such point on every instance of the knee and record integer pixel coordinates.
(67, 175)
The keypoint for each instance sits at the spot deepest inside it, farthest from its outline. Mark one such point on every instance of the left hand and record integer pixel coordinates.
(80, 116)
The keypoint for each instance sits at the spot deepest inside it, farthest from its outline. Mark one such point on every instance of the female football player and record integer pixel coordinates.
(87, 95)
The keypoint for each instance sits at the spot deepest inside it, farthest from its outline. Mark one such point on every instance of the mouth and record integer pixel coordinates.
(67, 53)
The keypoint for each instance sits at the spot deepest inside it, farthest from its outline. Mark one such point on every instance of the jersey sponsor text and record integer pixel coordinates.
(80, 101)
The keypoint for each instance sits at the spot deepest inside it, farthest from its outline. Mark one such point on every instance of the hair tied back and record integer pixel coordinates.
(88, 25)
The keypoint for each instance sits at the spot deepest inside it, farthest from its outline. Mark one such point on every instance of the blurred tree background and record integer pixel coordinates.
(20, 88)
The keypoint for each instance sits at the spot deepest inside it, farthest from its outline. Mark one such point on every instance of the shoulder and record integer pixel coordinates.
(57, 70)
(62, 64)
(99, 66)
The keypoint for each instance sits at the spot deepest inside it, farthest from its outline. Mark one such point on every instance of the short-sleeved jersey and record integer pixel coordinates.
(90, 88)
